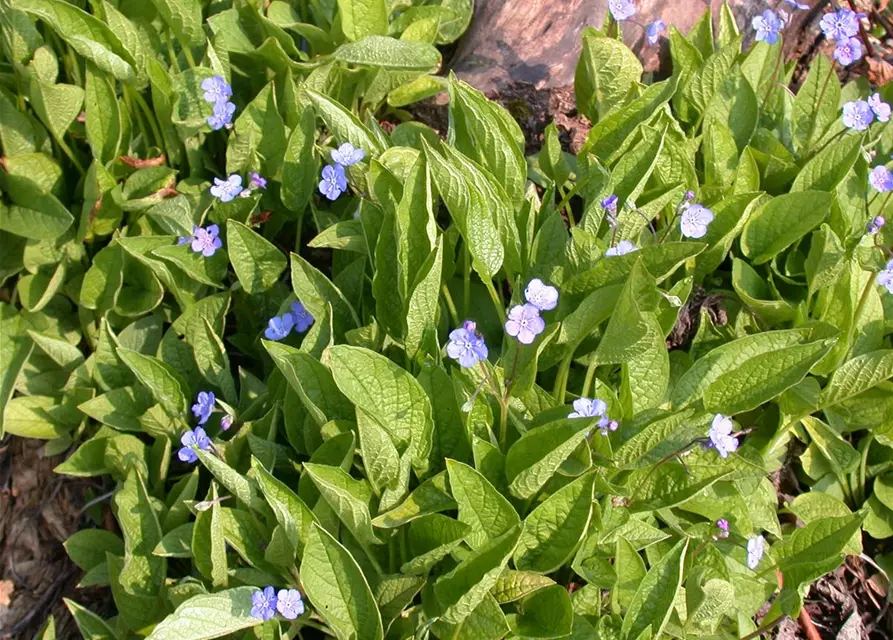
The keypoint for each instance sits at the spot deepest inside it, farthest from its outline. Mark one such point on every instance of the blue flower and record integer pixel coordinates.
(767, 26)
(257, 182)
(623, 247)
(227, 189)
(857, 115)
(880, 108)
(622, 9)
(840, 24)
(881, 179)
(263, 603)
(226, 422)
(586, 408)
(204, 405)
(875, 225)
(524, 323)
(798, 5)
(723, 525)
(609, 204)
(695, 220)
(221, 115)
(300, 316)
(205, 241)
(216, 89)
(192, 440)
(333, 182)
(347, 154)
(756, 547)
(720, 436)
(289, 603)
(848, 51)
(542, 296)
(605, 425)
(278, 327)
(688, 196)
(885, 277)
(653, 30)
(466, 345)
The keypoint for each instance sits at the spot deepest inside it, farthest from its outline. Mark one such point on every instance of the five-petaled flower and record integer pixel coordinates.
(881, 178)
(301, 317)
(840, 24)
(216, 89)
(622, 9)
(278, 327)
(524, 323)
(333, 182)
(767, 25)
(347, 154)
(885, 277)
(857, 115)
(257, 181)
(720, 436)
(263, 603)
(204, 405)
(653, 30)
(289, 603)
(221, 115)
(206, 241)
(542, 296)
(609, 204)
(588, 408)
(466, 345)
(756, 547)
(848, 51)
(880, 108)
(227, 189)
(623, 247)
(192, 440)
(695, 220)
(875, 224)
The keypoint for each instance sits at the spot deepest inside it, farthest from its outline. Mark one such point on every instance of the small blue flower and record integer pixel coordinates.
(720, 436)
(756, 547)
(609, 204)
(347, 154)
(840, 24)
(466, 345)
(257, 182)
(185, 239)
(524, 323)
(623, 247)
(798, 5)
(216, 89)
(333, 182)
(542, 296)
(695, 220)
(289, 603)
(192, 440)
(767, 26)
(857, 115)
(881, 179)
(588, 408)
(723, 525)
(875, 225)
(263, 603)
(688, 196)
(227, 189)
(226, 422)
(885, 277)
(278, 327)
(204, 405)
(605, 424)
(622, 9)
(848, 51)
(653, 30)
(205, 241)
(880, 108)
(300, 316)
(221, 115)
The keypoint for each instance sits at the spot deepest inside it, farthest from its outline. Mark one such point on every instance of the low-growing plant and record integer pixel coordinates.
(495, 395)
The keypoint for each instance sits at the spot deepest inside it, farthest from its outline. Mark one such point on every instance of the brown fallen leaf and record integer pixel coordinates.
(880, 72)
(137, 163)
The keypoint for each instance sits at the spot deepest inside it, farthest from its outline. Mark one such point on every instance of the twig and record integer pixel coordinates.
(42, 605)
(809, 628)
(868, 47)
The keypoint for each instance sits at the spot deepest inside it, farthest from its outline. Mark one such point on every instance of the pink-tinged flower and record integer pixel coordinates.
(586, 408)
(885, 277)
(848, 51)
(466, 345)
(881, 178)
(524, 322)
(542, 296)
(289, 603)
(257, 181)
(205, 241)
(227, 189)
(694, 221)
(723, 526)
(756, 547)
(623, 247)
(880, 108)
(605, 424)
(857, 115)
(226, 422)
(875, 224)
(720, 436)
(263, 603)
(192, 440)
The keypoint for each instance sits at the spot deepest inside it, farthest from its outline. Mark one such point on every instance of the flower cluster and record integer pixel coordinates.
(266, 602)
(885, 277)
(723, 526)
(192, 441)
(205, 241)
(720, 437)
(875, 225)
(859, 114)
(334, 181)
(594, 408)
(218, 92)
(467, 345)
(843, 26)
(298, 318)
(524, 321)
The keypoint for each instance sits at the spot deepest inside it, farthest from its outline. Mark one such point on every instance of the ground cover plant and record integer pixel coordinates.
(353, 379)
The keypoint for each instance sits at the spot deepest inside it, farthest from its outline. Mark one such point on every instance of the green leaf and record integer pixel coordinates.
(857, 375)
(316, 292)
(816, 105)
(258, 142)
(243, 488)
(841, 454)
(166, 384)
(429, 497)
(91, 626)
(209, 616)
(338, 589)
(630, 331)
(734, 105)
(829, 167)
(206, 270)
(532, 461)
(424, 304)
(87, 35)
(480, 505)
(184, 17)
(291, 512)
(763, 377)
(103, 120)
(39, 417)
(781, 222)
(389, 53)
(256, 261)
(545, 613)
(177, 543)
(343, 124)
(653, 601)
(380, 457)
(706, 82)
(605, 74)
(816, 548)
(87, 547)
(553, 530)
(298, 166)
(348, 498)
(430, 538)
(651, 438)
(361, 18)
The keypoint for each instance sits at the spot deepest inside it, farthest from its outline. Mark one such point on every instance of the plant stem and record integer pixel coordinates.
(590, 374)
(150, 116)
(315, 625)
(451, 307)
(503, 424)
(819, 101)
(864, 298)
(67, 151)
(497, 302)
(466, 280)
(865, 445)
(187, 51)
(140, 121)
(561, 378)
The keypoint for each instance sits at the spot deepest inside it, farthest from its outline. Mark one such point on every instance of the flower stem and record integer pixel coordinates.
(451, 307)
(864, 298)
(590, 374)
(561, 378)
(466, 280)
(497, 302)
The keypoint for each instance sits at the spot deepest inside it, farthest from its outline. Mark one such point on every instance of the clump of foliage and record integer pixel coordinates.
(493, 396)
